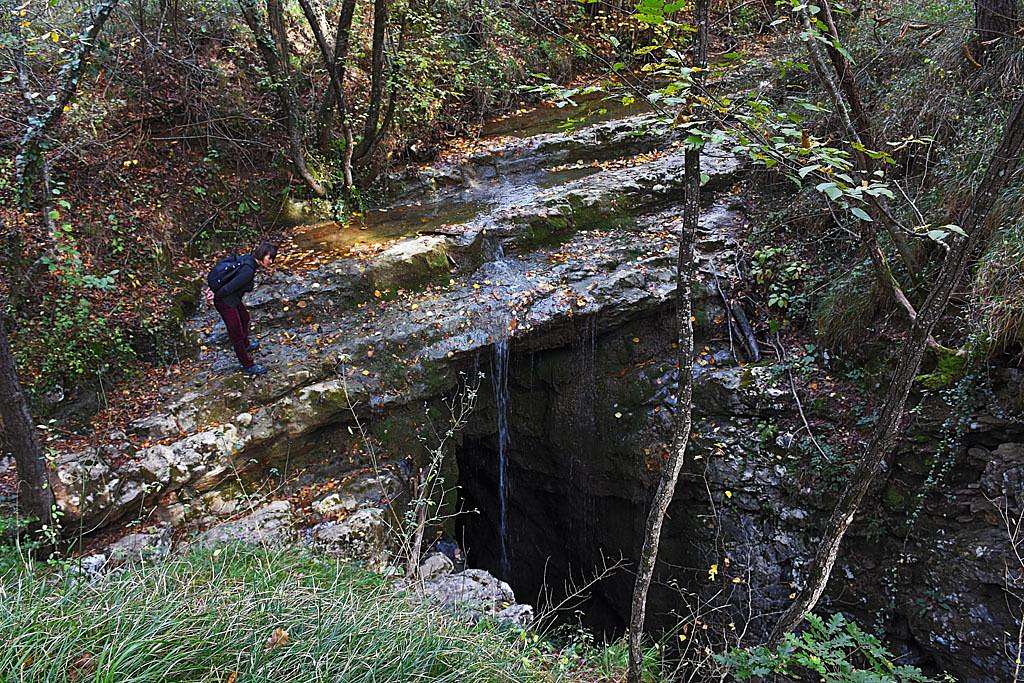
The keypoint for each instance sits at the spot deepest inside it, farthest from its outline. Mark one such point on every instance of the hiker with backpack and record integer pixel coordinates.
(229, 280)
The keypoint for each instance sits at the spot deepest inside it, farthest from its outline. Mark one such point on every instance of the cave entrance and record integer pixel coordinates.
(567, 434)
(557, 538)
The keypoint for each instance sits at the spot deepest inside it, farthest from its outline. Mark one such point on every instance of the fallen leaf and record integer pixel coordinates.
(278, 638)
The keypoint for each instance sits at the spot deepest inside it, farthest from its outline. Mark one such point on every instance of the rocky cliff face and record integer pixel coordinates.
(546, 264)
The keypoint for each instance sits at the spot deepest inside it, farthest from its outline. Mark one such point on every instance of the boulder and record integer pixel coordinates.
(435, 566)
(411, 263)
(271, 525)
(361, 536)
(473, 592)
(140, 547)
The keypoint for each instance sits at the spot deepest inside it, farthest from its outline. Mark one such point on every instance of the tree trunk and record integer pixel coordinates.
(337, 85)
(273, 50)
(1002, 166)
(995, 21)
(340, 52)
(35, 497)
(380, 20)
(683, 415)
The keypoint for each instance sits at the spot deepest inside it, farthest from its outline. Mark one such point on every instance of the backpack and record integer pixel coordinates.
(223, 272)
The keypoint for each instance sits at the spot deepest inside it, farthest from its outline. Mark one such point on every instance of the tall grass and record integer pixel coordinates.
(213, 616)
(999, 287)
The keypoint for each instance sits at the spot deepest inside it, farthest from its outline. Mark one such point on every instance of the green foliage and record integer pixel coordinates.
(248, 615)
(780, 274)
(837, 651)
(948, 369)
(447, 74)
(69, 345)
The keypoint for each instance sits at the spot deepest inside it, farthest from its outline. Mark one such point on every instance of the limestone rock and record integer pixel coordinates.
(271, 525)
(140, 547)
(519, 615)
(411, 263)
(473, 591)
(360, 536)
(90, 567)
(435, 565)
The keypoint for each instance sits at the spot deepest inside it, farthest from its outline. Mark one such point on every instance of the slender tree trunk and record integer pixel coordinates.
(35, 497)
(327, 104)
(30, 152)
(380, 20)
(337, 85)
(683, 416)
(1002, 166)
(273, 49)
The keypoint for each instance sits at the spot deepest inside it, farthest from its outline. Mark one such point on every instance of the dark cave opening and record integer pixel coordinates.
(557, 541)
(576, 427)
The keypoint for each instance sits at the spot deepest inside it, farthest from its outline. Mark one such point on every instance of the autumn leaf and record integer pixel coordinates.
(713, 572)
(279, 638)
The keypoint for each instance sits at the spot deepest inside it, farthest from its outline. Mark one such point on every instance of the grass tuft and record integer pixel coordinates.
(848, 308)
(999, 288)
(241, 614)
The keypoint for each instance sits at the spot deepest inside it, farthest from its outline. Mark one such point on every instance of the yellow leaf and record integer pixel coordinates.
(54, 36)
(728, 494)
(713, 572)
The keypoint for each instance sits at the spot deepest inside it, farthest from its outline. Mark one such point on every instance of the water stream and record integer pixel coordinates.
(499, 378)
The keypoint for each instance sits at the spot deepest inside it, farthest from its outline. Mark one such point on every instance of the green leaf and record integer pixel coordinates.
(808, 169)
(861, 214)
(830, 189)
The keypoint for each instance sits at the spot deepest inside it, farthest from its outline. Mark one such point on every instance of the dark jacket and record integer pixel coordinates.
(242, 281)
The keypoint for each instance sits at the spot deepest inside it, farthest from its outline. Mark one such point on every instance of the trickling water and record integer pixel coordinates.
(499, 378)
(583, 428)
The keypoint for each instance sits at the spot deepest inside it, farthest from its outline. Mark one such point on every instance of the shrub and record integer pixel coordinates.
(837, 650)
(70, 345)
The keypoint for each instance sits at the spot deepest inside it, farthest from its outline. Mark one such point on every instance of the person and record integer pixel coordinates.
(228, 281)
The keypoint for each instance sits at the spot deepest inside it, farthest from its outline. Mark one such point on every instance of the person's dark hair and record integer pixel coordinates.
(264, 249)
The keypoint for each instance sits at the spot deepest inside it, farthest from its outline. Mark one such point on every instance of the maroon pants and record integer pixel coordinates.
(236, 319)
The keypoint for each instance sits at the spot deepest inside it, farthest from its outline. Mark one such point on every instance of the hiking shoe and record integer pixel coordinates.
(254, 345)
(255, 370)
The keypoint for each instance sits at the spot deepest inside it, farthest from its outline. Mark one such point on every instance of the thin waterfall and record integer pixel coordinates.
(499, 378)
(582, 428)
